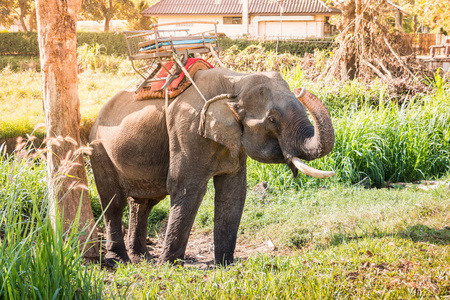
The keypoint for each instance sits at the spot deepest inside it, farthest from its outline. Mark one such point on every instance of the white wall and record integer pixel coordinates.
(231, 30)
(12, 28)
(114, 25)
(260, 26)
(291, 26)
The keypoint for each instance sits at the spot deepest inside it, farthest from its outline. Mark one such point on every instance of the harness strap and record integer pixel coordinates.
(186, 73)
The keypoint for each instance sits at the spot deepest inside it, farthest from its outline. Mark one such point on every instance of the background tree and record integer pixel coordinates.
(106, 10)
(67, 181)
(137, 21)
(434, 14)
(12, 10)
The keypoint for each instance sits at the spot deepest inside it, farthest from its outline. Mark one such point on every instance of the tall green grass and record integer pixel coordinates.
(19, 63)
(388, 143)
(36, 261)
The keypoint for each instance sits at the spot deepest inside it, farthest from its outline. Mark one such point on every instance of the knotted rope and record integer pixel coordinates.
(202, 125)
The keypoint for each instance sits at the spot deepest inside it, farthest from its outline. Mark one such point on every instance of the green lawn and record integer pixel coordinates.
(387, 267)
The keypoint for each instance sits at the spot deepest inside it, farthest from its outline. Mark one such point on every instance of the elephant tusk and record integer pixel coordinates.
(304, 168)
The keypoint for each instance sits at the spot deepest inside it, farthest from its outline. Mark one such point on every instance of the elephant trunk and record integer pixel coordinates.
(322, 142)
(318, 143)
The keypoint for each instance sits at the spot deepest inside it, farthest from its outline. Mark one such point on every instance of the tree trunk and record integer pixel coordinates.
(32, 21)
(399, 20)
(109, 15)
(107, 20)
(23, 9)
(67, 181)
(349, 14)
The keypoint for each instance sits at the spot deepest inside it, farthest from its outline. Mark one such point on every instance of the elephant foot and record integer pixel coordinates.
(224, 263)
(138, 256)
(112, 259)
(173, 260)
(224, 260)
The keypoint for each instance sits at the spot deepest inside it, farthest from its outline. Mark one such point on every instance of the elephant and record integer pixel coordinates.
(143, 151)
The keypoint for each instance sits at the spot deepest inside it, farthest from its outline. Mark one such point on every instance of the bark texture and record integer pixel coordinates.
(67, 181)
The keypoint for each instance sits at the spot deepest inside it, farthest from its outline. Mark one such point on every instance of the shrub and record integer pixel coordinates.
(113, 43)
(19, 43)
(294, 47)
(255, 59)
(26, 44)
(94, 57)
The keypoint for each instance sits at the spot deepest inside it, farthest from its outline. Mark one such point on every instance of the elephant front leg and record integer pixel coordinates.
(185, 200)
(229, 204)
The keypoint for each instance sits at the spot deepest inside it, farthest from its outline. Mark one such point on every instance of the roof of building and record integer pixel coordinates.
(234, 7)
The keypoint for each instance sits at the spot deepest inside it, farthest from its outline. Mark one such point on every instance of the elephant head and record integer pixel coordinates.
(270, 122)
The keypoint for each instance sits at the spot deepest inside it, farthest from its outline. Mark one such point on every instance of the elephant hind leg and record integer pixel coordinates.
(113, 201)
(137, 232)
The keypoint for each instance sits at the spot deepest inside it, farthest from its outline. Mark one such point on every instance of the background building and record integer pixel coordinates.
(254, 18)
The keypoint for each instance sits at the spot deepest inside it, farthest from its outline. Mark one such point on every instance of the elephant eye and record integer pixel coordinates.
(271, 119)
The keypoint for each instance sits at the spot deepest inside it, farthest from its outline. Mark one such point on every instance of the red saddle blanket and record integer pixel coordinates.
(177, 86)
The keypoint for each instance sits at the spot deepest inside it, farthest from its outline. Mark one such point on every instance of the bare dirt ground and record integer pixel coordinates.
(200, 249)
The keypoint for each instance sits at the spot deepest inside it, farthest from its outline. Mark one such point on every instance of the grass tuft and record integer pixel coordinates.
(37, 262)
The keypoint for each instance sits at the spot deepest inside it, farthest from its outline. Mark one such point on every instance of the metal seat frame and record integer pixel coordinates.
(148, 63)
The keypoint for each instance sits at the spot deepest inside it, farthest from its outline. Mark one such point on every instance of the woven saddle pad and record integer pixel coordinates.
(178, 86)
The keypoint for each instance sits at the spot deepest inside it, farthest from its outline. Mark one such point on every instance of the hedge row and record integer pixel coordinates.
(18, 43)
(294, 47)
(26, 44)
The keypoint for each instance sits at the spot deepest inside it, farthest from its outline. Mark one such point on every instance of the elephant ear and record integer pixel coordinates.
(218, 123)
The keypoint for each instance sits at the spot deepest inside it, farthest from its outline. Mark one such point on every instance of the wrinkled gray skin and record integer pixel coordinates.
(139, 157)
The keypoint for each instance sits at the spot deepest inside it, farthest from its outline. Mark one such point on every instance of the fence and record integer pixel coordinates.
(419, 44)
